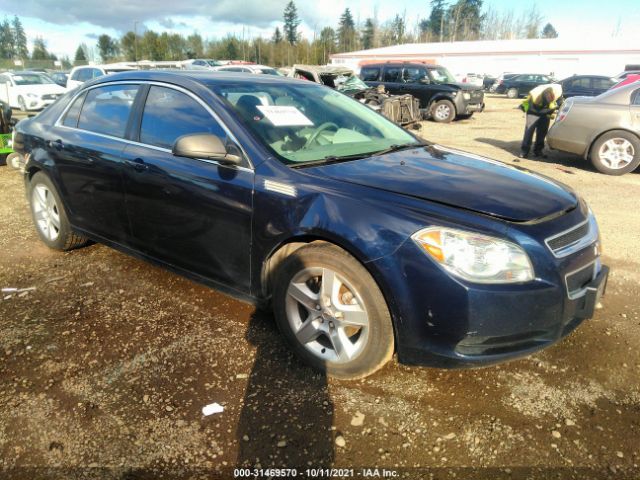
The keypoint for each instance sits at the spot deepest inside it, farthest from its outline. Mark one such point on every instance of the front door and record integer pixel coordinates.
(193, 214)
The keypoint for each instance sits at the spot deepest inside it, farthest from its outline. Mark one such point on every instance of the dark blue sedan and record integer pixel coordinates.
(364, 239)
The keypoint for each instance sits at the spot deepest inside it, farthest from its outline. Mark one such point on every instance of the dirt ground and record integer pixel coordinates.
(106, 364)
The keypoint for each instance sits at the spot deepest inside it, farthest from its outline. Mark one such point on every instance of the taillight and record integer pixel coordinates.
(564, 111)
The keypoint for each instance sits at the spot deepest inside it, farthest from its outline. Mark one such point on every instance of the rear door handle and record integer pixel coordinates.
(137, 164)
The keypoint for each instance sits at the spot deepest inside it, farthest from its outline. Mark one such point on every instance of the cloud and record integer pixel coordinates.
(121, 14)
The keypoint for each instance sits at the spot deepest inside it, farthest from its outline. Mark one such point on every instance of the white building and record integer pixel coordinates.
(556, 56)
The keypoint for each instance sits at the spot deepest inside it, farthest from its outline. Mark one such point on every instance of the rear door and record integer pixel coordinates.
(371, 75)
(193, 214)
(392, 79)
(635, 110)
(87, 144)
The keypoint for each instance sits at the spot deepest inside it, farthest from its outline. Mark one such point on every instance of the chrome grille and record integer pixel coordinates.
(573, 239)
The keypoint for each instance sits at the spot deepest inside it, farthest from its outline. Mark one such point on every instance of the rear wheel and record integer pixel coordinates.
(49, 216)
(616, 153)
(512, 93)
(332, 312)
(443, 111)
(465, 116)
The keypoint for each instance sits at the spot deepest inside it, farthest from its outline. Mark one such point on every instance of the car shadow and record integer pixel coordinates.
(287, 413)
(565, 159)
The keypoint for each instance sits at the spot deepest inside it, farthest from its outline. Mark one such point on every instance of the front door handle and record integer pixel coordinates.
(137, 164)
(57, 144)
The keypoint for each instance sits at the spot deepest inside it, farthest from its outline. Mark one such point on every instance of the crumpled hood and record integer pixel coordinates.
(459, 179)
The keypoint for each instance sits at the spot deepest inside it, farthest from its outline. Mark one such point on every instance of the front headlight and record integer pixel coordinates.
(475, 257)
(466, 96)
(32, 95)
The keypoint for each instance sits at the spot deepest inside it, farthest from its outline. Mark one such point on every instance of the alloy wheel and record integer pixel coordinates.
(327, 315)
(46, 212)
(616, 153)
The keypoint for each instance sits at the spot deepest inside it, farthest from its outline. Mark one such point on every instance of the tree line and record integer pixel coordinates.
(456, 20)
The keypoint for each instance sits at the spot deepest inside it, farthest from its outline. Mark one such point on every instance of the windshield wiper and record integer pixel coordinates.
(331, 159)
(396, 148)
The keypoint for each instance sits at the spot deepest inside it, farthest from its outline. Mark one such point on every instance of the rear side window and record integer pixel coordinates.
(96, 72)
(169, 114)
(71, 117)
(602, 83)
(635, 97)
(106, 109)
(392, 74)
(369, 74)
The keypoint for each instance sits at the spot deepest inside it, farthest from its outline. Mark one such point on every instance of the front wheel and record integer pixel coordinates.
(443, 111)
(50, 217)
(616, 153)
(22, 104)
(332, 312)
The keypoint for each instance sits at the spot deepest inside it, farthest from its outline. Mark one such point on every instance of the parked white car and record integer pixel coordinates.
(82, 74)
(248, 68)
(200, 64)
(28, 90)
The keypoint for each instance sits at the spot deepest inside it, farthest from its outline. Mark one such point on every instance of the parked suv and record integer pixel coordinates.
(441, 97)
(520, 85)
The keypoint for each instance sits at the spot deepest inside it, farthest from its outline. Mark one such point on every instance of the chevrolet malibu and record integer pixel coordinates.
(363, 239)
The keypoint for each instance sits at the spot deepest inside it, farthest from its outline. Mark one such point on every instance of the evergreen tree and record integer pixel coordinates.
(465, 20)
(368, 34)
(20, 49)
(346, 31)
(39, 50)
(277, 36)
(6, 40)
(549, 31)
(436, 25)
(107, 47)
(291, 22)
(81, 56)
(398, 28)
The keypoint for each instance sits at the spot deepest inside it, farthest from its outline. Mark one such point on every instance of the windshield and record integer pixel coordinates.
(32, 79)
(310, 123)
(270, 71)
(351, 84)
(441, 75)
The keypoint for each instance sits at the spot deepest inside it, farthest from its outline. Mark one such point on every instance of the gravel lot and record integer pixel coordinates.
(105, 366)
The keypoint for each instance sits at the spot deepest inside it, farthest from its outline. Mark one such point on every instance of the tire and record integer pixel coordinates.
(616, 153)
(22, 104)
(512, 93)
(49, 216)
(13, 160)
(466, 116)
(333, 344)
(442, 111)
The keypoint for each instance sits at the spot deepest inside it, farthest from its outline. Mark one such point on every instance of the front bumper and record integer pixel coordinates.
(442, 321)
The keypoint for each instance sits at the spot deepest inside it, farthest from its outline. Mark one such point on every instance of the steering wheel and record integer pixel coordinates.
(314, 136)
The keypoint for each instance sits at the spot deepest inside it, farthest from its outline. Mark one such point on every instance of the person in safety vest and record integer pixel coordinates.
(539, 106)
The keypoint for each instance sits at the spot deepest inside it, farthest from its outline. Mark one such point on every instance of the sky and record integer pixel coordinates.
(64, 24)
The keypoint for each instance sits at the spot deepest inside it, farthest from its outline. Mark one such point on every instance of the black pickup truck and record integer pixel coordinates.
(441, 97)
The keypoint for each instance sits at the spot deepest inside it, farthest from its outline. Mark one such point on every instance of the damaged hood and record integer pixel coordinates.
(458, 179)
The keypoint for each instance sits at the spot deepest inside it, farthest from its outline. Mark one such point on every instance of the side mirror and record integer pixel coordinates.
(205, 145)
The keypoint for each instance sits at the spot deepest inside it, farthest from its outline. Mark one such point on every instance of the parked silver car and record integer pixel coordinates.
(604, 129)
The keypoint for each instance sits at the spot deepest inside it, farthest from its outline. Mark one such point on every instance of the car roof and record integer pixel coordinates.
(203, 77)
(400, 63)
(25, 72)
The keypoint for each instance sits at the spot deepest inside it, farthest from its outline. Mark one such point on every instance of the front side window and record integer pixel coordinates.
(169, 114)
(106, 109)
(415, 74)
(635, 97)
(307, 123)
